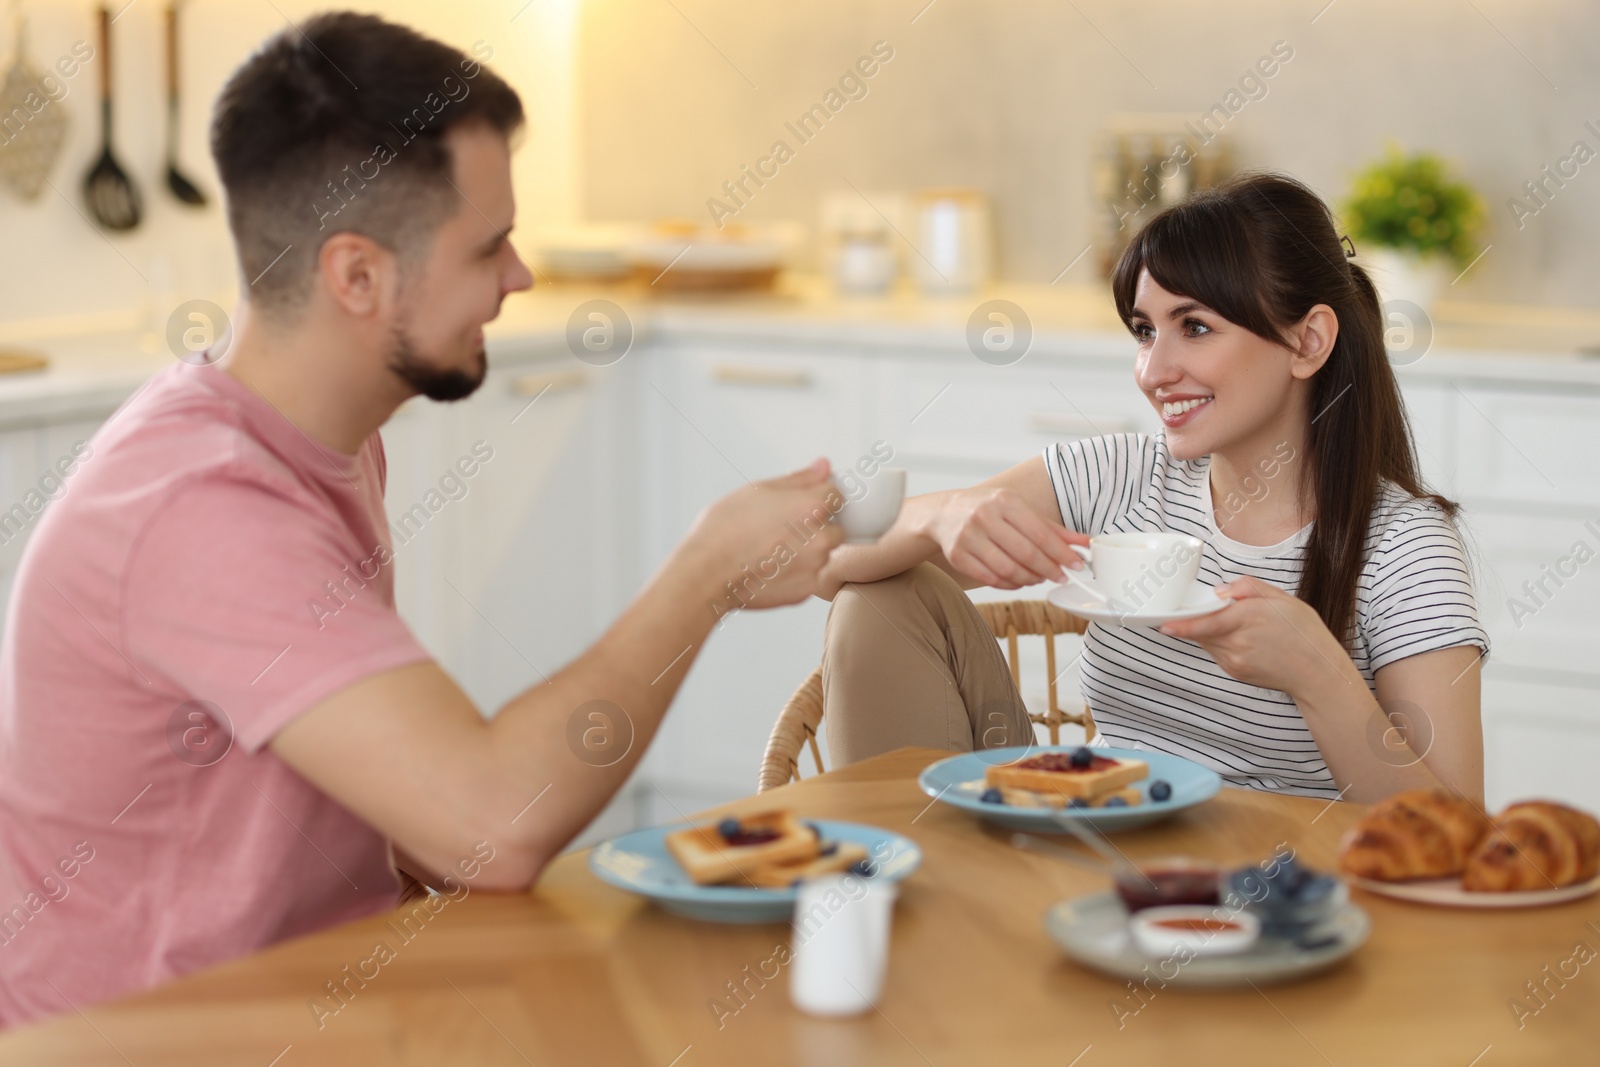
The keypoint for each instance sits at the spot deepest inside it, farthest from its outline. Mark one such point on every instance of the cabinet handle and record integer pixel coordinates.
(555, 382)
(1078, 425)
(765, 376)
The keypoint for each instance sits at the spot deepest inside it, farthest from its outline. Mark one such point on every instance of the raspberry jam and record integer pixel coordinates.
(1171, 882)
(1061, 762)
(1198, 926)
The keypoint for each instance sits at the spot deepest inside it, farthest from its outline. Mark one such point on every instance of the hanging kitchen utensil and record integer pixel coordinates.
(181, 187)
(28, 153)
(112, 197)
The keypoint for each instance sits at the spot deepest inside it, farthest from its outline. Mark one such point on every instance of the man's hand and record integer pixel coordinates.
(764, 545)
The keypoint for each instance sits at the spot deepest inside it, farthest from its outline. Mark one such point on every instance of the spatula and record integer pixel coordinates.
(111, 195)
(28, 154)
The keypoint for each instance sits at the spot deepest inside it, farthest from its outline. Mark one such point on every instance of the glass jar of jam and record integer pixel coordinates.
(1169, 880)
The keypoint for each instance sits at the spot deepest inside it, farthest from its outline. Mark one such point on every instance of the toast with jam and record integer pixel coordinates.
(734, 849)
(1079, 774)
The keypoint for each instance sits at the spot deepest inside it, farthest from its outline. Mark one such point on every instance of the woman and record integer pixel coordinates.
(1346, 665)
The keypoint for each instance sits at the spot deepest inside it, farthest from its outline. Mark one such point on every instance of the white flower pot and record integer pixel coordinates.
(1406, 276)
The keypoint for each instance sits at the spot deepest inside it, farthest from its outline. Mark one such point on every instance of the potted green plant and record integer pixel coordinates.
(1413, 224)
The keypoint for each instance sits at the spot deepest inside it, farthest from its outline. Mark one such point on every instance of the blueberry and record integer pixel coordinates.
(1160, 790)
(1318, 888)
(862, 867)
(992, 796)
(1117, 802)
(815, 830)
(728, 827)
(1289, 877)
(829, 849)
(1081, 757)
(1078, 802)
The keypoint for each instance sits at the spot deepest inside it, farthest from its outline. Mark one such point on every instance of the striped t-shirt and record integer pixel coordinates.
(1149, 690)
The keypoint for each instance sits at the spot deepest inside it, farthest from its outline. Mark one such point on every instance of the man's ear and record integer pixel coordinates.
(1314, 337)
(356, 271)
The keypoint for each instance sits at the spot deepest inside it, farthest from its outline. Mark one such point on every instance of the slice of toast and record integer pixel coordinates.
(1053, 773)
(1028, 798)
(784, 875)
(710, 858)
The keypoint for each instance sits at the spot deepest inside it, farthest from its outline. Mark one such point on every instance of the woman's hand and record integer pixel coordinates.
(992, 535)
(1269, 638)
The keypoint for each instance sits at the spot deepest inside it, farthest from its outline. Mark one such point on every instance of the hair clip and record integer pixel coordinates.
(1349, 246)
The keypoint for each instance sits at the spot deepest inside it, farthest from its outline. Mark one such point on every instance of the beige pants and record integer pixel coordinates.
(909, 661)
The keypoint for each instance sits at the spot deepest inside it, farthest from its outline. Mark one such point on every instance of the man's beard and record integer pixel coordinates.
(433, 382)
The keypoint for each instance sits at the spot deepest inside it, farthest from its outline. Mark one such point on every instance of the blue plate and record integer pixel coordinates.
(958, 781)
(640, 863)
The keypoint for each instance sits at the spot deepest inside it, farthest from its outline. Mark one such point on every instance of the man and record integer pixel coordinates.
(192, 765)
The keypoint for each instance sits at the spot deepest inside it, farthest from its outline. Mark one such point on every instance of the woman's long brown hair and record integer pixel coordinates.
(1261, 250)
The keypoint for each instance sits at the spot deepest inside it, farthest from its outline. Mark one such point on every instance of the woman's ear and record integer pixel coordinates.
(1314, 338)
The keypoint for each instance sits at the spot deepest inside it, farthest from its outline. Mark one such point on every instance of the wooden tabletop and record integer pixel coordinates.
(579, 973)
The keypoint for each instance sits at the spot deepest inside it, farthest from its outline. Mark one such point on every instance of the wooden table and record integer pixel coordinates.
(579, 973)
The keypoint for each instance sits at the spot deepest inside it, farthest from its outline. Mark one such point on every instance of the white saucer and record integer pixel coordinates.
(1068, 597)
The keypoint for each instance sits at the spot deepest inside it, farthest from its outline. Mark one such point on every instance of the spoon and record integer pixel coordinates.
(1077, 580)
(1120, 864)
(112, 197)
(1050, 848)
(177, 182)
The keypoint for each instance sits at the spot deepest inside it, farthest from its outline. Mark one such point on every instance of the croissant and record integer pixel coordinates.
(1535, 844)
(1421, 833)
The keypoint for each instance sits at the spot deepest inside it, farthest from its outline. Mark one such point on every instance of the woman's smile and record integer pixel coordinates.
(1179, 410)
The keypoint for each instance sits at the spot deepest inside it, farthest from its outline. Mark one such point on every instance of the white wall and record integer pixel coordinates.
(57, 266)
(1007, 95)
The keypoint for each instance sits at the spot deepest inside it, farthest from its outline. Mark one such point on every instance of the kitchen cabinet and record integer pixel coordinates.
(501, 511)
(717, 416)
(1518, 444)
(1541, 738)
(18, 474)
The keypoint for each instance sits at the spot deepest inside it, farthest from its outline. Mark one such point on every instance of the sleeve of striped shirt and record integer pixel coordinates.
(1097, 479)
(1421, 597)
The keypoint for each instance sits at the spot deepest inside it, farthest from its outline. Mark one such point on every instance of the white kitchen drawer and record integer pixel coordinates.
(1540, 742)
(947, 410)
(1526, 446)
(1557, 627)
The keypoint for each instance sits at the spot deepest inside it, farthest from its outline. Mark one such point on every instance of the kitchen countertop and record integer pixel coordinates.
(95, 365)
(1508, 344)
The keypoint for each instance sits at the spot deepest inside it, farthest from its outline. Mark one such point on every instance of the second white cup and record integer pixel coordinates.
(871, 503)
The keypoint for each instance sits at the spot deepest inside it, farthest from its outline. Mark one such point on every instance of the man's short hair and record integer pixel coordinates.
(338, 124)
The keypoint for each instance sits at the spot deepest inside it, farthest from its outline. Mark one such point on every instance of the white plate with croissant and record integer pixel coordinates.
(1430, 846)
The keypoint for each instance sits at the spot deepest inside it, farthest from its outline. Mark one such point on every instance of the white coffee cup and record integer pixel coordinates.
(871, 503)
(840, 943)
(1141, 573)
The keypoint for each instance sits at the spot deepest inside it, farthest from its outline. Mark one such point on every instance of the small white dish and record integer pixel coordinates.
(1198, 601)
(1200, 929)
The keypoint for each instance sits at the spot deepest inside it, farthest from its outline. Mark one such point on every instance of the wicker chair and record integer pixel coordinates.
(797, 725)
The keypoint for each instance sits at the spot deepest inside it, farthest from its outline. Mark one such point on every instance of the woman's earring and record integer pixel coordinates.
(1349, 246)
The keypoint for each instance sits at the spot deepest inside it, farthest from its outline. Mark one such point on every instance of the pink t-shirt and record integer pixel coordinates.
(206, 554)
